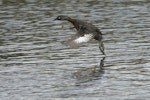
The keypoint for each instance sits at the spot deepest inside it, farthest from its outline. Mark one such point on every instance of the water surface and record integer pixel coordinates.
(36, 65)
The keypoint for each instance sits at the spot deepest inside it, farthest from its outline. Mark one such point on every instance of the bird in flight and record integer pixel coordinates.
(85, 33)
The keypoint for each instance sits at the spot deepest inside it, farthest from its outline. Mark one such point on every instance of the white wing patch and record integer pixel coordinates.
(78, 39)
(82, 39)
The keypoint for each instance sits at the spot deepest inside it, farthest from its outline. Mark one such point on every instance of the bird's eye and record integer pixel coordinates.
(59, 17)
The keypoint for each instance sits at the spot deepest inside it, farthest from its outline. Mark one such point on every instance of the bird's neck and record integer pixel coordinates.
(73, 21)
(70, 20)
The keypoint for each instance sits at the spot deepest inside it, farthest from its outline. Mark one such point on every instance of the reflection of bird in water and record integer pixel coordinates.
(88, 74)
(85, 32)
(101, 64)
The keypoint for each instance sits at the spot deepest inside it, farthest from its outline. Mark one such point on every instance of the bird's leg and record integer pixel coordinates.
(101, 47)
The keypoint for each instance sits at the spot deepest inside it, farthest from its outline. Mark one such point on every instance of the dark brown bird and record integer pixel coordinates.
(85, 32)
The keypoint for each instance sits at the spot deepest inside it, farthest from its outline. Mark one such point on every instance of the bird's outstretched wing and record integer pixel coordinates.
(78, 39)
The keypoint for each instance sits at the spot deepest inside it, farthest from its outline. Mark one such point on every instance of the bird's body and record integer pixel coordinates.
(85, 32)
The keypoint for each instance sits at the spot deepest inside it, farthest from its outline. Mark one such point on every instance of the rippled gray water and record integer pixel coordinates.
(36, 65)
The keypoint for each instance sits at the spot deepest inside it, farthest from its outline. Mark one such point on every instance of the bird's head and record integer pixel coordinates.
(62, 17)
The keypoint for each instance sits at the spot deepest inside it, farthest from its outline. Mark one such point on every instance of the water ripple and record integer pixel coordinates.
(35, 63)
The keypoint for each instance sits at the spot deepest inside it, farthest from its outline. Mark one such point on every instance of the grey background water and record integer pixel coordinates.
(36, 65)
